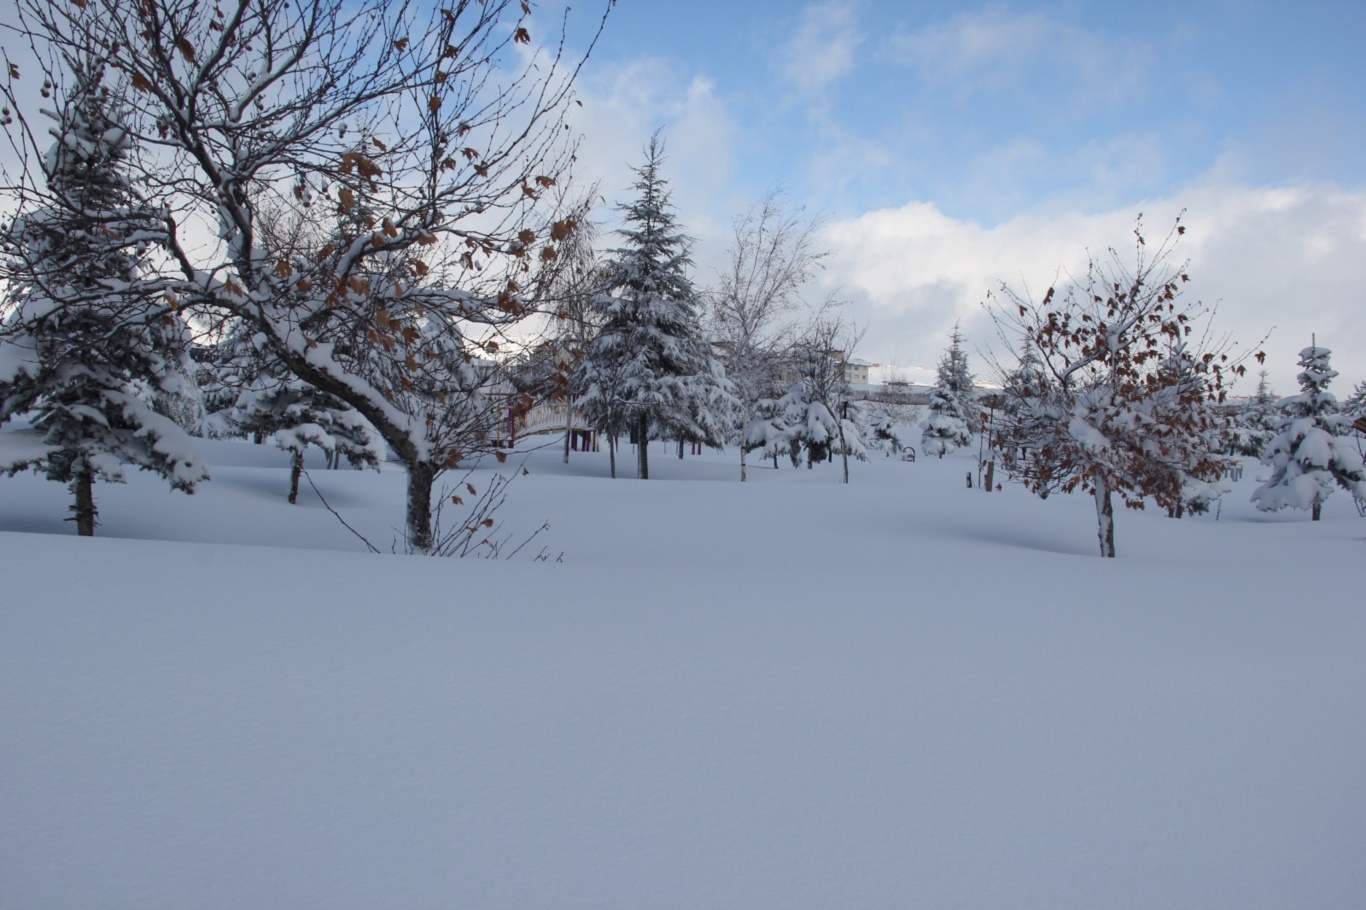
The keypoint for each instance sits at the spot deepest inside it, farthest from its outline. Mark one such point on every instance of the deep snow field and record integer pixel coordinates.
(791, 693)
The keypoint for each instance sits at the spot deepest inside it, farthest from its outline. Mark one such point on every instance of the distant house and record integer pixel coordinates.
(855, 371)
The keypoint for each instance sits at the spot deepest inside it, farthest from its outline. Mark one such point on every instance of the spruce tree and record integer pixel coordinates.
(1308, 459)
(1258, 421)
(256, 396)
(954, 374)
(945, 429)
(650, 366)
(1197, 485)
(1022, 391)
(87, 344)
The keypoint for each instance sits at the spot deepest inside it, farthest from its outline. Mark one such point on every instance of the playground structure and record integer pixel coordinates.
(549, 420)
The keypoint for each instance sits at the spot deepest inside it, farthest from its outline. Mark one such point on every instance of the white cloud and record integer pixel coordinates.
(997, 49)
(1291, 258)
(823, 47)
(624, 105)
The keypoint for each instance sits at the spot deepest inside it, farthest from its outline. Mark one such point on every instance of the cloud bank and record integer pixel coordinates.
(1289, 261)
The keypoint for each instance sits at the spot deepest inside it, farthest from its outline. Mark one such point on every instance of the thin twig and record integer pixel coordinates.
(338, 514)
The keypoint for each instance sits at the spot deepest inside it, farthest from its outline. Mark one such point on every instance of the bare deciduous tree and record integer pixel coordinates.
(773, 254)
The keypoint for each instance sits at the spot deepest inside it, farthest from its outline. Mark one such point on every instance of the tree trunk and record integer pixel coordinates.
(568, 424)
(680, 448)
(1105, 519)
(84, 510)
(296, 469)
(844, 450)
(421, 476)
(612, 453)
(643, 451)
(1317, 511)
(743, 466)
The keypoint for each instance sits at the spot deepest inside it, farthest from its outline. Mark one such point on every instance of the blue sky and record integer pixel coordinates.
(951, 146)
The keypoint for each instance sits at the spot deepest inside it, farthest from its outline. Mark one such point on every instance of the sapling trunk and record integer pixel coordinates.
(84, 510)
(296, 470)
(1105, 519)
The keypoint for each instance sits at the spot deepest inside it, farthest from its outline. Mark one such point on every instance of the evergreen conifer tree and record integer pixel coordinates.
(1307, 457)
(1198, 488)
(87, 344)
(1022, 390)
(1258, 421)
(650, 367)
(945, 429)
(955, 375)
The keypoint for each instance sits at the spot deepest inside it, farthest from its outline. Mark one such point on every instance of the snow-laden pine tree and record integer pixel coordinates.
(260, 399)
(956, 376)
(650, 368)
(1022, 389)
(1308, 459)
(87, 345)
(1199, 485)
(816, 415)
(877, 422)
(945, 428)
(954, 416)
(1354, 406)
(1257, 422)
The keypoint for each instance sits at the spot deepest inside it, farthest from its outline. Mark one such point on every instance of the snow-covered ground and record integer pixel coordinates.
(784, 694)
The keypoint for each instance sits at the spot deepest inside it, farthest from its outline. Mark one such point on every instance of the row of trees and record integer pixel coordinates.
(383, 193)
(388, 217)
(661, 359)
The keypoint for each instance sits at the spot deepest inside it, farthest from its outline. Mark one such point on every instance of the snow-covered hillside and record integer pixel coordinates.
(783, 694)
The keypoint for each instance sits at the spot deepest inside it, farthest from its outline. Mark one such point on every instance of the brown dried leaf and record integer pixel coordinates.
(561, 230)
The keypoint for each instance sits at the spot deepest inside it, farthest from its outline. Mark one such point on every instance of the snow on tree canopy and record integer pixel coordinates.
(650, 367)
(1309, 460)
(87, 343)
